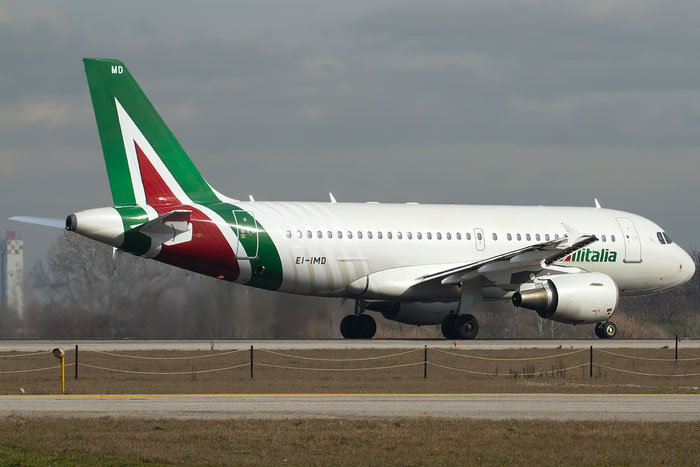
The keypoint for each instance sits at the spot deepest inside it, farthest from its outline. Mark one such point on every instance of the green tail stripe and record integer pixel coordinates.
(109, 79)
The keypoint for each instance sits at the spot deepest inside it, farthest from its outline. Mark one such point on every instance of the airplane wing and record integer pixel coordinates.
(45, 221)
(507, 271)
(531, 257)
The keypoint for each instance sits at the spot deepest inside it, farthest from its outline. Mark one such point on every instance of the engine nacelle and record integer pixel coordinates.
(421, 314)
(588, 297)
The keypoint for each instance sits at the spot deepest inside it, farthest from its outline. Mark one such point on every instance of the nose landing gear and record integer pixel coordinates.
(605, 330)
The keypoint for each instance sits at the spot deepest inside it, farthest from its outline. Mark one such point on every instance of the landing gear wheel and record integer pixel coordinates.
(599, 331)
(466, 327)
(358, 327)
(448, 326)
(364, 327)
(609, 330)
(606, 330)
(347, 325)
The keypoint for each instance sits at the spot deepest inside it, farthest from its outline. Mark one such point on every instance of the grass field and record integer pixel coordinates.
(343, 371)
(342, 442)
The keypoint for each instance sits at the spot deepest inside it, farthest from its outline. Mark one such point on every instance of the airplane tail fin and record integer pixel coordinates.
(145, 163)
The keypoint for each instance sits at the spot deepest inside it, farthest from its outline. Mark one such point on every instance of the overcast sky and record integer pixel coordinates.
(485, 102)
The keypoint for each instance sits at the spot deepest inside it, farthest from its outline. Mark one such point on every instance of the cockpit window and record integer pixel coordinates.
(660, 236)
(668, 239)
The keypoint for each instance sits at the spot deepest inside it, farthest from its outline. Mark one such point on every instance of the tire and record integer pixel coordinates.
(609, 330)
(448, 326)
(466, 327)
(365, 327)
(347, 326)
(599, 331)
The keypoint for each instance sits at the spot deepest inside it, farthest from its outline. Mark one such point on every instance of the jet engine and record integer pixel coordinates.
(421, 314)
(589, 297)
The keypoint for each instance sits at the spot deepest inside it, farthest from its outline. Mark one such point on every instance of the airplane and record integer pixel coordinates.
(411, 263)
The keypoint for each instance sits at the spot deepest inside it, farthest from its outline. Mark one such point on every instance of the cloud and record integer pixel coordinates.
(485, 102)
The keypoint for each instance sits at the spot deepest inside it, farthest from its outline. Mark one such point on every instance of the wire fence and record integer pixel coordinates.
(442, 359)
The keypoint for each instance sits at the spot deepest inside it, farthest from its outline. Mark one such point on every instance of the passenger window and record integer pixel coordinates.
(479, 236)
(469, 236)
(359, 234)
(603, 238)
(537, 237)
(556, 237)
(409, 235)
(319, 234)
(459, 236)
(379, 235)
(309, 234)
(369, 235)
(419, 235)
(399, 235)
(519, 237)
(495, 237)
(330, 234)
(661, 238)
(439, 236)
(448, 236)
(289, 234)
(546, 237)
(340, 234)
(612, 238)
(388, 235)
(298, 233)
(429, 236)
(509, 237)
(528, 237)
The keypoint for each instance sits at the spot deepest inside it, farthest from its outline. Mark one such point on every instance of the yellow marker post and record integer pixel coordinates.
(60, 354)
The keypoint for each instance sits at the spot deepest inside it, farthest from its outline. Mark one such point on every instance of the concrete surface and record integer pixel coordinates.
(651, 407)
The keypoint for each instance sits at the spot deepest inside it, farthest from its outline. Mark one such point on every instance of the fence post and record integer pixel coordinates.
(425, 362)
(590, 363)
(676, 347)
(251, 362)
(76, 361)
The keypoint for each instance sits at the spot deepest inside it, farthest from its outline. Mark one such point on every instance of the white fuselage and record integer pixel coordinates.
(326, 247)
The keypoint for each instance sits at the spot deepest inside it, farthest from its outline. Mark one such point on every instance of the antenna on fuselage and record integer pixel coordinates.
(333, 201)
(597, 204)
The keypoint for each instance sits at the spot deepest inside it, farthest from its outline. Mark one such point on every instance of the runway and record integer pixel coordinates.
(340, 344)
(626, 407)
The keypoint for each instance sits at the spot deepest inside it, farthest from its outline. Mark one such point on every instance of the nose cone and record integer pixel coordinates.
(687, 266)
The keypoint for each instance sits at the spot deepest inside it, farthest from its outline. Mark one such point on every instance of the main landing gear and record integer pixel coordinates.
(605, 330)
(460, 326)
(358, 325)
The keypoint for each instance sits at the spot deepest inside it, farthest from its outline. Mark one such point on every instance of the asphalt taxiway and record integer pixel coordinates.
(626, 407)
(340, 344)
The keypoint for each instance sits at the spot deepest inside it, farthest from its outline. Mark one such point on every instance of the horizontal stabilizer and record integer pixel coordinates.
(46, 221)
(171, 228)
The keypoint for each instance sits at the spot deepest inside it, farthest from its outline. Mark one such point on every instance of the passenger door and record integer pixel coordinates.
(633, 245)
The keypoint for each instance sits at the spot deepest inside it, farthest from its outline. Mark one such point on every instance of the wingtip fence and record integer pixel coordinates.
(445, 358)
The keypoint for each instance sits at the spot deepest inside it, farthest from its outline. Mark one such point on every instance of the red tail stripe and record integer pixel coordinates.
(156, 190)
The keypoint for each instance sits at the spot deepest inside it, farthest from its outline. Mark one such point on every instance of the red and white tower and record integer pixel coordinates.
(11, 282)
